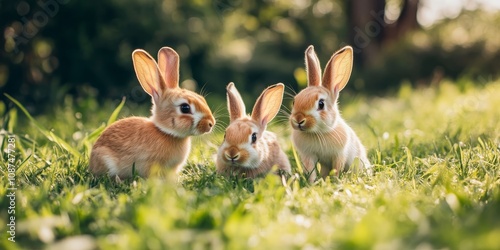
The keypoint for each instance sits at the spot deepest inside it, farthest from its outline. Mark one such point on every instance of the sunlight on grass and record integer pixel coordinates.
(436, 157)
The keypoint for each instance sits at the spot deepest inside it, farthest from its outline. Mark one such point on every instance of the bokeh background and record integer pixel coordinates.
(51, 49)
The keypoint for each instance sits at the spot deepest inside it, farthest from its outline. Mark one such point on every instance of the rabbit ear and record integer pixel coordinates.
(338, 70)
(235, 103)
(268, 104)
(168, 63)
(312, 67)
(148, 74)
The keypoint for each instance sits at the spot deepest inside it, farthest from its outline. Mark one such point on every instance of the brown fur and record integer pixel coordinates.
(270, 98)
(312, 67)
(165, 111)
(321, 135)
(136, 140)
(239, 131)
(238, 155)
(338, 70)
(276, 158)
(161, 140)
(168, 63)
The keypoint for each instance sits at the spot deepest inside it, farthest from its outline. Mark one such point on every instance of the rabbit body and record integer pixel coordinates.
(117, 151)
(320, 134)
(336, 150)
(162, 140)
(248, 149)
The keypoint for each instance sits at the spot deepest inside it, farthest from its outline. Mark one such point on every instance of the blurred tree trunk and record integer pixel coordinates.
(370, 31)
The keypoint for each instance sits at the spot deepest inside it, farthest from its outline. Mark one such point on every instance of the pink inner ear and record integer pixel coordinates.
(264, 121)
(156, 96)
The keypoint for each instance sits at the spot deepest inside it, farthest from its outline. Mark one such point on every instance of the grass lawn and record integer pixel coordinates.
(435, 151)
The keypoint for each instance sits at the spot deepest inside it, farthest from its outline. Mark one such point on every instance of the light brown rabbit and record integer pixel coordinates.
(162, 139)
(248, 149)
(319, 132)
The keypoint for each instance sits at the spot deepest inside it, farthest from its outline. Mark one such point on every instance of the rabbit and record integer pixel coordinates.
(161, 140)
(248, 149)
(319, 132)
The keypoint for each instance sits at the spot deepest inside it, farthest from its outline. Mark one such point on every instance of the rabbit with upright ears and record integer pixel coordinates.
(319, 132)
(161, 140)
(249, 150)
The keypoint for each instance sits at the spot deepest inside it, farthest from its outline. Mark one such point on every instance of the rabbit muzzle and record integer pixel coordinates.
(302, 122)
(206, 124)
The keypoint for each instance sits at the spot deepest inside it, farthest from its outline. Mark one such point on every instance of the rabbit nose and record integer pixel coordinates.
(301, 123)
(206, 124)
(232, 154)
(232, 157)
(298, 122)
(299, 118)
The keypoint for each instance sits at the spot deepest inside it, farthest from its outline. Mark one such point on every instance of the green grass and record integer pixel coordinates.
(436, 154)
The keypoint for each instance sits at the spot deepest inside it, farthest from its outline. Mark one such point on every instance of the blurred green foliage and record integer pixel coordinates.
(56, 47)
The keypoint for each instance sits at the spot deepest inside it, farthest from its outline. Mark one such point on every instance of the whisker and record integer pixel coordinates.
(335, 134)
(219, 110)
(221, 127)
(320, 139)
(216, 142)
(219, 130)
(276, 122)
(286, 112)
(221, 122)
(283, 114)
(282, 117)
(280, 123)
(288, 88)
(203, 91)
(332, 130)
(223, 115)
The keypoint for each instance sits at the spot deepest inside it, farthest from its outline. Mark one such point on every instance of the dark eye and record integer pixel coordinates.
(254, 137)
(185, 108)
(321, 104)
(224, 136)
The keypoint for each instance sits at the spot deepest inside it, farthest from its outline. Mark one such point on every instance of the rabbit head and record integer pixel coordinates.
(178, 112)
(315, 108)
(246, 141)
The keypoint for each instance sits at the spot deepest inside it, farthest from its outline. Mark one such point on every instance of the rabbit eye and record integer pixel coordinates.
(185, 108)
(321, 104)
(254, 137)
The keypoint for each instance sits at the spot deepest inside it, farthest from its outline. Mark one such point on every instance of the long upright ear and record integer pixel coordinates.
(235, 103)
(312, 67)
(338, 70)
(168, 63)
(268, 104)
(148, 74)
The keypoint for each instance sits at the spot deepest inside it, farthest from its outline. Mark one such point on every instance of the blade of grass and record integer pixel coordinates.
(49, 135)
(115, 113)
(297, 160)
(92, 136)
(23, 164)
(12, 120)
(90, 139)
